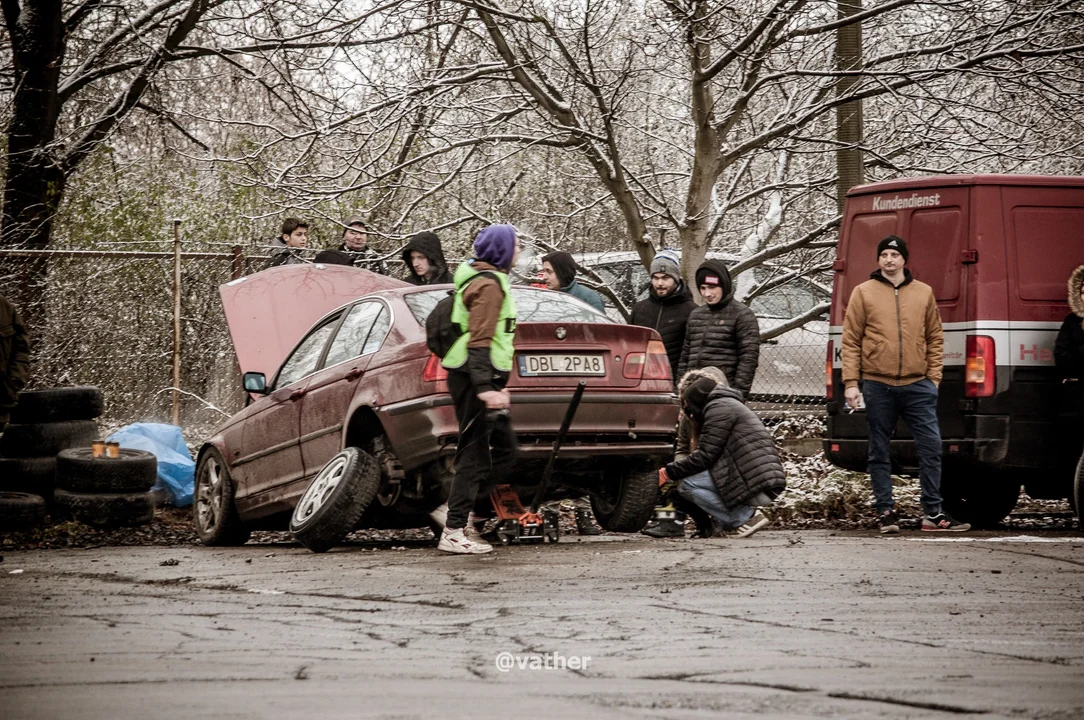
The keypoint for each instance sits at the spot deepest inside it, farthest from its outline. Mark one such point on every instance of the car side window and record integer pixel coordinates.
(350, 341)
(305, 358)
(380, 331)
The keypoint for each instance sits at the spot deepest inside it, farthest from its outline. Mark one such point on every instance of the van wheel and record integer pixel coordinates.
(626, 500)
(983, 502)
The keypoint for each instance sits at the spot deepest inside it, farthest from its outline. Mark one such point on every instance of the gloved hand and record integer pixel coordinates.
(666, 485)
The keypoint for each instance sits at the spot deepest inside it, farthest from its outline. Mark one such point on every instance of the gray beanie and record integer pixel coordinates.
(667, 262)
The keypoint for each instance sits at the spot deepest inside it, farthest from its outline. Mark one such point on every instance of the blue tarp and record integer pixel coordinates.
(176, 469)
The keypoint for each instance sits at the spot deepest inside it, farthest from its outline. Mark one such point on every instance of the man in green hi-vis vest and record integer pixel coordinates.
(479, 364)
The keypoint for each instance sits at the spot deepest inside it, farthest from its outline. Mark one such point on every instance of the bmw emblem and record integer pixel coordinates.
(560, 333)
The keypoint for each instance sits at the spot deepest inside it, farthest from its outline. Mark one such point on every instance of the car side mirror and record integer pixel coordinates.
(255, 382)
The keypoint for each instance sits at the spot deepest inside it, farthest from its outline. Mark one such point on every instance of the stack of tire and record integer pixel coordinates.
(43, 423)
(105, 491)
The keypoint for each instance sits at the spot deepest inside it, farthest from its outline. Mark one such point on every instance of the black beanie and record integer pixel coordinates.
(893, 242)
(564, 265)
(695, 396)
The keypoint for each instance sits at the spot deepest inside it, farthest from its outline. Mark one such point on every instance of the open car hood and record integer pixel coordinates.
(270, 311)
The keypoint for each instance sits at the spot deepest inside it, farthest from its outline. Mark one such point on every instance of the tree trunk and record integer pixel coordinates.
(849, 165)
(35, 182)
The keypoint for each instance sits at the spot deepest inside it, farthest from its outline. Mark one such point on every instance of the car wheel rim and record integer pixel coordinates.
(321, 489)
(209, 496)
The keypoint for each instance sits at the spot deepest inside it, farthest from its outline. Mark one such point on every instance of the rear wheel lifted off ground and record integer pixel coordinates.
(335, 500)
(984, 499)
(627, 500)
(213, 510)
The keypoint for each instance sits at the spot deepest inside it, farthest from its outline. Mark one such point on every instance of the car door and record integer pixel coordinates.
(328, 395)
(270, 454)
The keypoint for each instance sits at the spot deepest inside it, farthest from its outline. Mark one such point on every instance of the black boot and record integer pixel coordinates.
(585, 523)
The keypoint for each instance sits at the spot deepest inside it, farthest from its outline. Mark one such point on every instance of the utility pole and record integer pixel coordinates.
(850, 166)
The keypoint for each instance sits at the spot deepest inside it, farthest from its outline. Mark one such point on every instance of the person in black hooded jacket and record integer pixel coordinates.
(1069, 347)
(723, 332)
(424, 258)
(734, 467)
(667, 308)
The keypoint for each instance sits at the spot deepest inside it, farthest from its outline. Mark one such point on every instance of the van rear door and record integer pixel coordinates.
(1043, 231)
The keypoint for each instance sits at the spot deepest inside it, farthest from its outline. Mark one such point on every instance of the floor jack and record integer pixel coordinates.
(516, 524)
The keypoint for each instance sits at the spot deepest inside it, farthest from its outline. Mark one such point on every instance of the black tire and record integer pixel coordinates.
(214, 509)
(28, 475)
(106, 509)
(335, 500)
(21, 511)
(57, 404)
(1078, 493)
(627, 500)
(983, 501)
(78, 470)
(46, 439)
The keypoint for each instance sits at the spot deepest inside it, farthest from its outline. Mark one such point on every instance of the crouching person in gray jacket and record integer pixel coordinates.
(735, 468)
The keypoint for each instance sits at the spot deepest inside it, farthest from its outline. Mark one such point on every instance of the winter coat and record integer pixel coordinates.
(427, 244)
(586, 294)
(666, 316)
(725, 335)
(366, 259)
(1069, 347)
(892, 335)
(14, 356)
(736, 449)
(283, 254)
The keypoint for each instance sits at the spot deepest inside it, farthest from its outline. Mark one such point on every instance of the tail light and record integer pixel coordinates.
(434, 371)
(829, 386)
(652, 365)
(980, 368)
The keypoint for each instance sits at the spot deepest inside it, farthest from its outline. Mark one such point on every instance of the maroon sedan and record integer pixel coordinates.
(362, 377)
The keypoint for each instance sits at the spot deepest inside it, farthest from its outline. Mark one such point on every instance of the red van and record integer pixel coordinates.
(997, 251)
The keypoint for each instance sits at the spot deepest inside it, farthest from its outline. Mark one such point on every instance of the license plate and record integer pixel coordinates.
(535, 365)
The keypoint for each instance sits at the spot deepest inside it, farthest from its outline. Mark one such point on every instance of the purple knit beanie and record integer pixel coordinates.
(496, 245)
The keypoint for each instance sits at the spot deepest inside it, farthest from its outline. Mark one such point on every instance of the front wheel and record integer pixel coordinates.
(335, 500)
(214, 512)
(626, 500)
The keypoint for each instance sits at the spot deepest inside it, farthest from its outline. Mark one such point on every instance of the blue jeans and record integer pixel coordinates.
(700, 489)
(917, 403)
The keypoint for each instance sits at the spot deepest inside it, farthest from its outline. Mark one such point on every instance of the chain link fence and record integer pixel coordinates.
(106, 318)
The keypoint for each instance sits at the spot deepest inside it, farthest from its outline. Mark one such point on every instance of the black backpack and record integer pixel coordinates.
(440, 332)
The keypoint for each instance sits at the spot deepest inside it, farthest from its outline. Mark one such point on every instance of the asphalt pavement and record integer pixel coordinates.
(785, 624)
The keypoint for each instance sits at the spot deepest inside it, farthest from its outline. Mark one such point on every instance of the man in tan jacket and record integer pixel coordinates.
(892, 344)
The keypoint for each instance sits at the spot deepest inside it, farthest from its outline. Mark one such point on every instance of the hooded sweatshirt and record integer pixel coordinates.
(427, 244)
(666, 316)
(725, 335)
(1069, 347)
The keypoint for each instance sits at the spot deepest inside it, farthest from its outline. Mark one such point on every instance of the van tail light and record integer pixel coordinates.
(652, 365)
(434, 371)
(980, 368)
(829, 386)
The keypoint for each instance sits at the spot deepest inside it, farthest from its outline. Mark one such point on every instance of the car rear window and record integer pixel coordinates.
(531, 306)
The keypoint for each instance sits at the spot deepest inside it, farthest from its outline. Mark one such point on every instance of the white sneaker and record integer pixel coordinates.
(758, 521)
(455, 541)
(440, 515)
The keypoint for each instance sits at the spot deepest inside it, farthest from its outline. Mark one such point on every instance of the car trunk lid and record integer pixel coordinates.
(270, 311)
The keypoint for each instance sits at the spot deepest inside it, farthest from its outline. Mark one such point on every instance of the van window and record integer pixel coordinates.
(935, 245)
(1048, 247)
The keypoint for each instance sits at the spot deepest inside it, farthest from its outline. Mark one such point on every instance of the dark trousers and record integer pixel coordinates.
(477, 468)
(917, 403)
